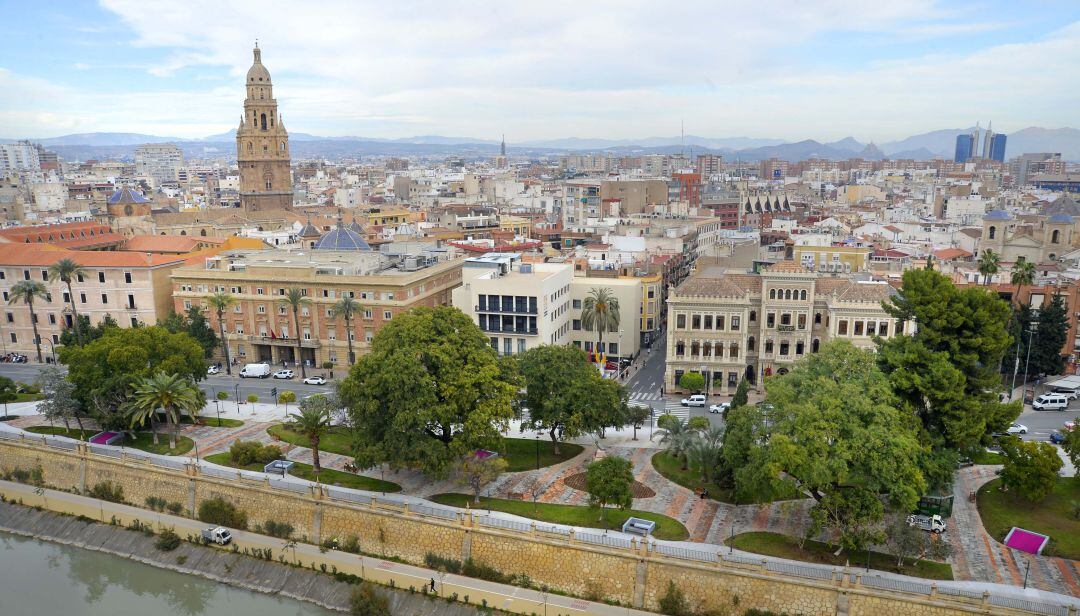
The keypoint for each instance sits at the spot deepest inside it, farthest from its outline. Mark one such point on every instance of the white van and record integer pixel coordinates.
(1071, 393)
(259, 371)
(1051, 402)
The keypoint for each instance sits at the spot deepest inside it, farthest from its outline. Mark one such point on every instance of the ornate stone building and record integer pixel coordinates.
(728, 326)
(262, 146)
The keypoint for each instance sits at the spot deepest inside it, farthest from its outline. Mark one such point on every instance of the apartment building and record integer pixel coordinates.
(130, 287)
(623, 343)
(259, 328)
(160, 162)
(728, 326)
(518, 305)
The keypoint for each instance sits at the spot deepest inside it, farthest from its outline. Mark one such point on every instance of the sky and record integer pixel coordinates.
(786, 69)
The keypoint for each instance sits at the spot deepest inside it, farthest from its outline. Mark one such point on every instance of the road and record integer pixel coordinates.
(28, 373)
(645, 385)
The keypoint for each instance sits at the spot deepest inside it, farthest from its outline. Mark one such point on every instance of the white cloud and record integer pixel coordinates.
(607, 69)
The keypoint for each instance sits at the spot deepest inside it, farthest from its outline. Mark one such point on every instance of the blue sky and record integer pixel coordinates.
(534, 70)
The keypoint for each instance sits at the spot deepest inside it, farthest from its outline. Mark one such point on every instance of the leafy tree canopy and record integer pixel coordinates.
(430, 392)
(566, 395)
(608, 482)
(195, 324)
(90, 332)
(692, 382)
(1031, 468)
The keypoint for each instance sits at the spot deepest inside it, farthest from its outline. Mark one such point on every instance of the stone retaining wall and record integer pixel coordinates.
(635, 576)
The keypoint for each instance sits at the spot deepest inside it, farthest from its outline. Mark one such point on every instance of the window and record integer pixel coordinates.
(680, 348)
(131, 301)
(719, 322)
(772, 293)
(52, 319)
(841, 327)
(883, 329)
(695, 321)
(13, 337)
(261, 309)
(708, 321)
(802, 321)
(770, 320)
(508, 346)
(387, 315)
(753, 316)
(768, 346)
(799, 347)
(733, 350)
(750, 344)
(577, 325)
(993, 232)
(577, 304)
(45, 275)
(802, 295)
(104, 299)
(521, 345)
(785, 319)
(101, 276)
(367, 314)
(127, 277)
(858, 328)
(817, 318)
(735, 323)
(10, 318)
(26, 274)
(259, 291)
(785, 347)
(680, 321)
(613, 348)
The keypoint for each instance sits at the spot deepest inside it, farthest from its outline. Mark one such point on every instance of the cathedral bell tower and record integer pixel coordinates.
(262, 146)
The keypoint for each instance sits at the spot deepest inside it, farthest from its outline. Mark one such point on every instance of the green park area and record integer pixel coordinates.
(143, 441)
(306, 471)
(784, 546)
(1056, 515)
(572, 515)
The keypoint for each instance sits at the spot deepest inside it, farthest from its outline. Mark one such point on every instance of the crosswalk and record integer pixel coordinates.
(645, 396)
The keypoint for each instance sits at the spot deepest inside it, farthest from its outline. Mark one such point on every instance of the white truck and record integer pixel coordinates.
(930, 523)
(217, 534)
(255, 371)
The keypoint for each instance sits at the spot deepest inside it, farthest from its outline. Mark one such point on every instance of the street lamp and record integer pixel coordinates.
(1032, 330)
(537, 450)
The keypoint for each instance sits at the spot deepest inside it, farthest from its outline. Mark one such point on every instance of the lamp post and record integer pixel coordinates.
(537, 450)
(1032, 330)
(1027, 569)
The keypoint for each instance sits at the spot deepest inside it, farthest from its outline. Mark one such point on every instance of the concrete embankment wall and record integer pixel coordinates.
(215, 564)
(635, 575)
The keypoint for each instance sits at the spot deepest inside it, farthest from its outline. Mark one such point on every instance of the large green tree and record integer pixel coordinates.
(989, 263)
(430, 392)
(195, 324)
(566, 395)
(946, 372)
(172, 394)
(314, 421)
(834, 432)
(59, 402)
(1031, 469)
(608, 482)
(66, 270)
(88, 332)
(1050, 336)
(105, 370)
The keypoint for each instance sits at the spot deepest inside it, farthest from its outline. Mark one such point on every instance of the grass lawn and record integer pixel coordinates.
(27, 397)
(987, 457)
(144, 441)
(327, 476)
(784, 546)
(1001, 511)
(520, 453)
(671, 468)
(214, 422)
(666, 528)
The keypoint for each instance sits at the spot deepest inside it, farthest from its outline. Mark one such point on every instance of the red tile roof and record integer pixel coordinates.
(21, 255)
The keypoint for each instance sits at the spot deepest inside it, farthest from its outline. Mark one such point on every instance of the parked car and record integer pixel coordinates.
(1056, 437)
(721, 408)
(217, 534)
(933, 524)
(1017, 429)
(315, 380)
(284, 374)
(212, 370)
(1051, 402)
(694, 400)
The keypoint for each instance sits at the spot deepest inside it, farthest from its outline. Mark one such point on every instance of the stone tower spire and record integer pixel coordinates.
(262, 145)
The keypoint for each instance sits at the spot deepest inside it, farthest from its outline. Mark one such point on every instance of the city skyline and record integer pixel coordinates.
(779, 71)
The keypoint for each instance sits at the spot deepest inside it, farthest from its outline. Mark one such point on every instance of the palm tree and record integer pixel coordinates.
(65, 270)
(705, 455)
(294, 299)
(220, 301)
(678, 437)
(600, 310)
(1023, 273)
(988, 265)
(346, 308)
(313, 421)
(171, 393)
(26, 291)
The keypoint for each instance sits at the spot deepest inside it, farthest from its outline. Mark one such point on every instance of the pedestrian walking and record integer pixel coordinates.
(432, 584)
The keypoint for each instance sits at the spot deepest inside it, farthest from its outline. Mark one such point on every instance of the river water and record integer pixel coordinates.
(46, 579)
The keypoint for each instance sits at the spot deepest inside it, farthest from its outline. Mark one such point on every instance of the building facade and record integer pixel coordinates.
(518, 305)
(730, 326)
(161, 162)
(262, 146)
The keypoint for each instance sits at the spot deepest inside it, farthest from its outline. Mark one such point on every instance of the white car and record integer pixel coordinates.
(1017, 429)
(284, 374)
(723, 407)
(213, 370)
(315, 380)
(694, 400)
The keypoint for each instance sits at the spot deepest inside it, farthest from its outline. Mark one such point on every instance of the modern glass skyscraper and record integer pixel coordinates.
(965, 148)
(997, 148)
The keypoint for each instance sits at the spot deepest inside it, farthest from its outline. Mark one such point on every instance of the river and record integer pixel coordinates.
(45, 579)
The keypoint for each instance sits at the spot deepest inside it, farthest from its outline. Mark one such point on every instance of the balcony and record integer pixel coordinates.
(511, 310)
(522, 332)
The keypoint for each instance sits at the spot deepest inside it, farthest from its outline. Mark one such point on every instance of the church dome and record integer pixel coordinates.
(1061, 218)
(998, 215)
(258, 73)
(342, 238)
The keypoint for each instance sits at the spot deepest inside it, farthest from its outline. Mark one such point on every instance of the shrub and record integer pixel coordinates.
(223, 513)
(365, 601)
(107, 491)
(243, 453)
(155, 503)
(174, 507)
(281, 530)
(484, 572)
(33, 476)
(674, 602)
(351, 544)
(167, 541)
(442, 563)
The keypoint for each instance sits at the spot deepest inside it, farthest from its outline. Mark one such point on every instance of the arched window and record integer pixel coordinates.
(282, 146)
(787, 294)
(1053, 257)
(182, 232)
(749, 344)
(251, 147)
(202, 232)
(753, 316)
(1055, 236)
(269, 184)
(993, 232)
(262, 121)
(772, 293)
(802, 294)
(817, 318)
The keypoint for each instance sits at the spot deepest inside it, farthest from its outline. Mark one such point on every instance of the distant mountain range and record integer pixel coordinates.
(924, 146)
